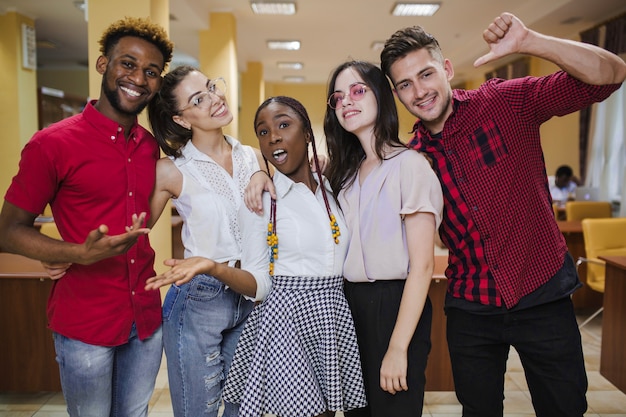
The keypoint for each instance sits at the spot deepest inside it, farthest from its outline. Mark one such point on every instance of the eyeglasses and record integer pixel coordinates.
(356, 92)
(216, 87)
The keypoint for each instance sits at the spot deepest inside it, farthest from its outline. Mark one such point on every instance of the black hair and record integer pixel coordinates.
(139, 28)
(344, 149)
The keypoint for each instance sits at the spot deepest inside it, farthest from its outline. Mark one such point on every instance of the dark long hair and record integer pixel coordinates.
(344, 149)
(170, 136)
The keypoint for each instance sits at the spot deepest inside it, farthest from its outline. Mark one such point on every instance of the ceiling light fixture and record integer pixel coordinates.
(415, 9)
(293, 79)
(288, 45)
(273, 7)
(83, 7)
(290, 65)
(377, 46)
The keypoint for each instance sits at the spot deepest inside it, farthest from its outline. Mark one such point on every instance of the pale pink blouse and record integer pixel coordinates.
(404, 183)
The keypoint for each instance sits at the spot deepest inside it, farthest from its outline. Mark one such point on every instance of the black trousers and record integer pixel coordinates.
(374, 309)
(548, 342)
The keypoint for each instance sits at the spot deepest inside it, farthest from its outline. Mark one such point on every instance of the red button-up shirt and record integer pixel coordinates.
(91, 175)
(498, 219)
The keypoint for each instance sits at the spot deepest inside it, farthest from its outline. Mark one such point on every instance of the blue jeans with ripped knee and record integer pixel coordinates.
(202, 321)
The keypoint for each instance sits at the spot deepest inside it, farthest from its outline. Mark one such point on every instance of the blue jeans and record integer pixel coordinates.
(548, 342)
(103, 381)
(202, 321)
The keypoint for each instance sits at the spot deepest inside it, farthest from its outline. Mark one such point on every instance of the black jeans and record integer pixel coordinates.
(548, 342)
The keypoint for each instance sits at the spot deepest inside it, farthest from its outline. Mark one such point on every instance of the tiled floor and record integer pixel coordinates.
(604, 399)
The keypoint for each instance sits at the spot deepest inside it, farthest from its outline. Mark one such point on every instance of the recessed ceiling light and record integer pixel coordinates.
(415, 9)
(377, 46)
(273, 7)
(293, 79)
(80, 5)
(288, 45)
(290, 65)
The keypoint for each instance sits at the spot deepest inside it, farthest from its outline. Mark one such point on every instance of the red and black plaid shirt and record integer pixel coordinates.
(498, 219)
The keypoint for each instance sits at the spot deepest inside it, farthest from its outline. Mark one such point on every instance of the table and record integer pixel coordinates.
(612, 351)
(585, 297)
(27, 355)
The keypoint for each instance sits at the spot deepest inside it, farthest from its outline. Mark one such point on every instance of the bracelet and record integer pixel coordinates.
(260, 170)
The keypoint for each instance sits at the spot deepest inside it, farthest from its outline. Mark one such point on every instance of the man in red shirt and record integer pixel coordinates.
(97, 171)
(510, 275)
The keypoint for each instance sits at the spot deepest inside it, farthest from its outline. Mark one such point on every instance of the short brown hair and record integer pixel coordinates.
(140, 28)
(407, 40)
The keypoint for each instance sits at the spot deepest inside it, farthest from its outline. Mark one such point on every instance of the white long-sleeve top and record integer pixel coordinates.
(305, 243)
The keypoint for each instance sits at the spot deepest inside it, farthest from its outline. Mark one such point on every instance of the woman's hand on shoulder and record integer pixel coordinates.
(260, 181)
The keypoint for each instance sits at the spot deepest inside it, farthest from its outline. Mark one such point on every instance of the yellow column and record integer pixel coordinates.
(18, 96)
(218, 58)
(252, 94)
(101, 13)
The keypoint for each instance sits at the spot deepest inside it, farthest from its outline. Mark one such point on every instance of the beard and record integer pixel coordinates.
(113, 98)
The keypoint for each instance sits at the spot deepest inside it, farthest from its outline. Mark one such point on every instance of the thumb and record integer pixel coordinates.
(171, 262)
(488, 57)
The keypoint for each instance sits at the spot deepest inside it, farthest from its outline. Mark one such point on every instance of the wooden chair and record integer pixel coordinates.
(578, 210)
(603, 237)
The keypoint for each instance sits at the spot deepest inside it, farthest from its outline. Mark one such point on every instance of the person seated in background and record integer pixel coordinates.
(563, 184)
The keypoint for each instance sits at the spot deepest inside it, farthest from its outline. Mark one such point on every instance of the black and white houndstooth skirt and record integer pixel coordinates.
(297, 355)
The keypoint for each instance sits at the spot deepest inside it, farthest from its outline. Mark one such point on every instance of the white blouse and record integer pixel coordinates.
(306, 247)
(402, 184)
(210, 199)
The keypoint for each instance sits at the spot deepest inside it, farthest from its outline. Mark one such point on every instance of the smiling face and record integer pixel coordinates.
(356, 116)
(131, 76)
(203, 106)
(422, 84)
(283, 140)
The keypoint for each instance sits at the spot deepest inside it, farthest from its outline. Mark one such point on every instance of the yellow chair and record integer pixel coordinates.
(603, 237)
(578, 210)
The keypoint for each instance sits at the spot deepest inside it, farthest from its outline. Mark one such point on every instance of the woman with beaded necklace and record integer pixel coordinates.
(297, 355)
(392, 202)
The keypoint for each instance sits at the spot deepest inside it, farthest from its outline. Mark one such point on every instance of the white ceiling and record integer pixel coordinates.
(331, 31)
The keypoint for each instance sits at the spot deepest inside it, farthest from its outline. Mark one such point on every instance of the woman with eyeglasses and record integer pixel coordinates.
(204, 174)
(298, 354)
(392, 202)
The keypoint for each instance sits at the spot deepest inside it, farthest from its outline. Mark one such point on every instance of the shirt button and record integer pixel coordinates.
(132, 261)
(112, 137)
(133, 292)
(119, 129)
(128, 159)
(130, 194)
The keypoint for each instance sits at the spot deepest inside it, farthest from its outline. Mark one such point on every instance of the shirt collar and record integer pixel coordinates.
(284, 184)
(110, 128)
(190, 152)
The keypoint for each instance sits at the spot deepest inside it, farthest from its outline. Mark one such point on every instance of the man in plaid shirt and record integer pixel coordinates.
(510, 274)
